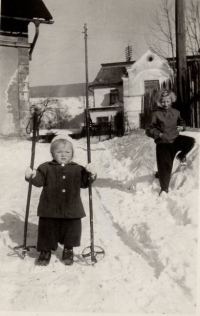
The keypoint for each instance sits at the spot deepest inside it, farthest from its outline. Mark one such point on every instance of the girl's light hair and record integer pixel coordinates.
(164, 93)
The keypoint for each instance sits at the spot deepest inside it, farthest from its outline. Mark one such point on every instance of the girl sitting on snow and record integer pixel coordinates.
(164, 127)
(60, 207)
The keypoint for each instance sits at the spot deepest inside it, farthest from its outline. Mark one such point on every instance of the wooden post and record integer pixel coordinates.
(181, 58)
(93, 258)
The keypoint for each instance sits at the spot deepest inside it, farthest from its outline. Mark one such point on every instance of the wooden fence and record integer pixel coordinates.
(193, 93)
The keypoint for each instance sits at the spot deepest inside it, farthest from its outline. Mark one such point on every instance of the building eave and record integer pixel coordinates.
(118, 64)
(25, 9)
(106, 85)
(105, 108)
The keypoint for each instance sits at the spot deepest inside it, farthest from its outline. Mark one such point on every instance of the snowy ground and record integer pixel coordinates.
(150, 265)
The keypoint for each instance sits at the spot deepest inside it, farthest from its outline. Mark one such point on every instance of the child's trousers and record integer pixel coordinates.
(165, 153)
(52, 231)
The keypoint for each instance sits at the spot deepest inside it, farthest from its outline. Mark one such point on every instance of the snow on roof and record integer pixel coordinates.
(111, 73)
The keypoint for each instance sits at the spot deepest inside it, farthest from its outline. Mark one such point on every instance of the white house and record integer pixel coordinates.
(108, 91)
(148, 73)
(125, 84)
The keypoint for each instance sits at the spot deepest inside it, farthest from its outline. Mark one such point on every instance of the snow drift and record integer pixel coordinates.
(150, 242)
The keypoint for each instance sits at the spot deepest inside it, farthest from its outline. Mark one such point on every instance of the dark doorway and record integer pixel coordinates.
(148, 101)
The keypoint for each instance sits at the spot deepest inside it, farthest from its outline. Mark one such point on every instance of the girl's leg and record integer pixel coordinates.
(165, 157)
(70, 236)
(48, 234)
(183, 144)
(70, 232)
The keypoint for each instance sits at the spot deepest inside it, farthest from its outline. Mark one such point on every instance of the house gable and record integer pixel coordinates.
(149, 61)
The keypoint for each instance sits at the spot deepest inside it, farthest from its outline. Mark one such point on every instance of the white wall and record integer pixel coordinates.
(101, 97)
(109, 113)
(136, 83)
(148, 67)
(134, 91)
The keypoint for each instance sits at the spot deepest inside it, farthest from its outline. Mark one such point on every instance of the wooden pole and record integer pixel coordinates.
(181, 57)
(86, 94)
(35, 127)
(93, 258)
(24, 247)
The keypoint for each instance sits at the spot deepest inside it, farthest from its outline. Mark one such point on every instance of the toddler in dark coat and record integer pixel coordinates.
(164, 127)
(60, 207)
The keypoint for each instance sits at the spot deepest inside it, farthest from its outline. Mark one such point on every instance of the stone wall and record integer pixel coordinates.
(23, 82)
(14, 78)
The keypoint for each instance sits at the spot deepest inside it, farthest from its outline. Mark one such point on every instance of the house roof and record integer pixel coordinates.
(111, 74)
(25, 9)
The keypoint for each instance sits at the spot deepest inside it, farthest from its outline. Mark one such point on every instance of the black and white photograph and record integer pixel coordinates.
(99, 157)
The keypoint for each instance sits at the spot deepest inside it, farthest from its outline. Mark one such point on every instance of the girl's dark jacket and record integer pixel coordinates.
(60, 196)
(165, 122)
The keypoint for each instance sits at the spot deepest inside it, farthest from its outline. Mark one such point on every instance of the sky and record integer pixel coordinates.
(59, 55)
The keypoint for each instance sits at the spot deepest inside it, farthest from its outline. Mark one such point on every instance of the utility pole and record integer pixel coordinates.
(181, 61)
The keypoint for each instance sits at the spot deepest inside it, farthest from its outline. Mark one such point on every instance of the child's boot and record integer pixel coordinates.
(182, 159)
(163, 192)
(156, 175)
(44, 258)
(68, 256)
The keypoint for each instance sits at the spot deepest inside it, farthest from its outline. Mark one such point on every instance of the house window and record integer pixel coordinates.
(114, 96)
(102, 119)
(150, 85)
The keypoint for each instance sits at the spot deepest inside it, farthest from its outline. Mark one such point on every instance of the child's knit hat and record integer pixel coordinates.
(62, 136)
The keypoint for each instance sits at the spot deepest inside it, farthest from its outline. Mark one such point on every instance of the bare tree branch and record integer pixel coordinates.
(193, 26)
(163, 28)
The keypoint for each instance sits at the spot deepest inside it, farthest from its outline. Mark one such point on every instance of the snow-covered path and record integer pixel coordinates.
(150, 243)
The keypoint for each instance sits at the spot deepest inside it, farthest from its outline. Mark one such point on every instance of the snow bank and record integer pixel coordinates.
(165, 231)
(150, 242)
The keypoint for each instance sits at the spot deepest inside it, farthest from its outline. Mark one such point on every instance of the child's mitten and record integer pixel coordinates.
(91, 168)
(30, 173)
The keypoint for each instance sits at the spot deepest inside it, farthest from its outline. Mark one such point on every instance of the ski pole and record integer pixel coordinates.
(24, 247)
(93, 252)
(35, 127)
(93, 258)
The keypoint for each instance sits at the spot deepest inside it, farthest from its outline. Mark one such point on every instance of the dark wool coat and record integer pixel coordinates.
(60, 197)
(164, 121)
